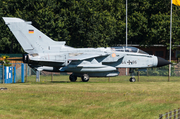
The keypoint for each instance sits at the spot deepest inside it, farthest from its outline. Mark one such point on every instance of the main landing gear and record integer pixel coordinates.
(132, 79)
(73, 78)
(84, 77)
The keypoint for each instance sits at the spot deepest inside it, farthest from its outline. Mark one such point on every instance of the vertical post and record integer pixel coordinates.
(169, 73)
(15, 74)
(170, 115)
(10, 75)
(126, 22)
(170, 43)
(22, 73)
(3, 73)
(26, 71)
(166, 115)
(51, 76)
(138, 76)
(174, 113)
(160, 116)
(126, 71)
(178, 113)
(37, 76)
(126, 26)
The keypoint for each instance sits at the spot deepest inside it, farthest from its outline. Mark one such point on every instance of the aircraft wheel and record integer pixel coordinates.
(132, 80)
(72, 78)
(85, 78)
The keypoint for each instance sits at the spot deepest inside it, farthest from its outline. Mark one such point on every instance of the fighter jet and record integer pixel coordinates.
(45, 54)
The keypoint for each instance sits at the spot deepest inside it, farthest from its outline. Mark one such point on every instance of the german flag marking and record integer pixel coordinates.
(31, 31)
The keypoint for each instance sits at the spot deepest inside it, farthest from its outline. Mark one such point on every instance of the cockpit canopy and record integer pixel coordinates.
(128, 49)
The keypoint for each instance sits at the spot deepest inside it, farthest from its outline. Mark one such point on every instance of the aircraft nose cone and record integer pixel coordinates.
(162, 62)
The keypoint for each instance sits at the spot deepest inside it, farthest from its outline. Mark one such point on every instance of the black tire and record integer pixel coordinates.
(72, 78)
(132, 80)
(85, 77)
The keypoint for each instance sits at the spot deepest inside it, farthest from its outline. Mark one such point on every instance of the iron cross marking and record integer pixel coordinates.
(132, 62)
(129, 62)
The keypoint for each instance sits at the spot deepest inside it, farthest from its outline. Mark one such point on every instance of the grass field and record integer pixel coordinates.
(96, 99)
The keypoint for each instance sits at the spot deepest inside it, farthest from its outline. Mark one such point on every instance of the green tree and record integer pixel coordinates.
(92, 23)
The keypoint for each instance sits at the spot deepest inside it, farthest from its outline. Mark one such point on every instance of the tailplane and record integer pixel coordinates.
(31, 39)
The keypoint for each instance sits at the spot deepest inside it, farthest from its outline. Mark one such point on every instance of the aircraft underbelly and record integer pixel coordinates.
(98, 68)
(101, 74)
(44, 63)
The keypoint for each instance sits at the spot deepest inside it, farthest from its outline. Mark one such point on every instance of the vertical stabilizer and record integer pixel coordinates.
(31, 39)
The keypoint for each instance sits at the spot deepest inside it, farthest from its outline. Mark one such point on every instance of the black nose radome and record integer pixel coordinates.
(162, 62)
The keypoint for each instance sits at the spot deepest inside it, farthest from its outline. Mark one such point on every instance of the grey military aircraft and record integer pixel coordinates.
(45, 54)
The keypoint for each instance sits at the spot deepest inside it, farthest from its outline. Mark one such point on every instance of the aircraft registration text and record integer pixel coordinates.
(129, 62)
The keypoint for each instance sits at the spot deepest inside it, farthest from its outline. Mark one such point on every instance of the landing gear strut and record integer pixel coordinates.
(84, 77)
(72, 78)
(132, 79)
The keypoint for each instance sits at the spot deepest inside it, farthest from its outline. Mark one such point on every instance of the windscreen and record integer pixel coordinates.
(128, 49)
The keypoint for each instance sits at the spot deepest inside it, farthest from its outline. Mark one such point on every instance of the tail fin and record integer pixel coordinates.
(31, 39)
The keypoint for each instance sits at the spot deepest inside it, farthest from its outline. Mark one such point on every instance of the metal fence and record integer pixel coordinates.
(18, 71)
(1, 72)
(22, 71)
(154, 72)
(162, 71)
(171, 114)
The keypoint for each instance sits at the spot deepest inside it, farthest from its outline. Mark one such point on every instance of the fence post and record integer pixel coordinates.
(166, 115)
(169, 73)
(138, 76)
(160, 116)
(51, 76)
(3, 73)
(26, 71)
(178, 113)
(170, 115)
(174, 113)
(10, 77)
(22, 73)
(15, 74)
(37, 76)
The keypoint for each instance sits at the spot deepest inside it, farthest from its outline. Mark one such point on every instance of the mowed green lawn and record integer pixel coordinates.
(96, 99)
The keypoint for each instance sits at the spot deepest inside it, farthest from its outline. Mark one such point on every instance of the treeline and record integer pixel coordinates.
(93, 23)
